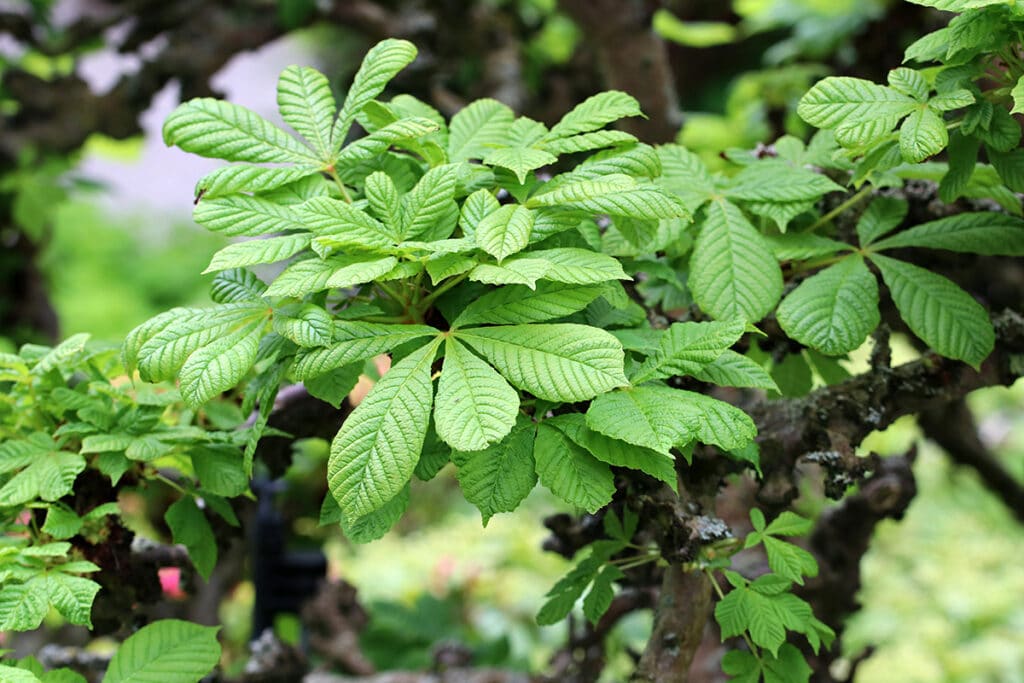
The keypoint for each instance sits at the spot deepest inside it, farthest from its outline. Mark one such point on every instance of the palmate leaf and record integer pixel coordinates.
(638, 416)
(379, 66)
(505, 231)
(733, 274)
(306, 104)
(252, 252)
(376, 449)
(219, 365)
(498, 478)
(936, 310)
(243, 178)
(981, 232)
(556, 362)
(570, 472)
(732, 369)
(48, 478)
(835, 310)
(315, 275)
(687, 347)
(353, 342)
(518, 304)
(588, 141)
(475, 406)
(165, 651)
(221, 130)
(571, 265)
(245, 216)
(72, 596)
(23, 605)
(882, 216)
(429, 204)
(838, 101)
(344, 224)
(595, 112)
(477, 129)
(519, 160)
(777, 181)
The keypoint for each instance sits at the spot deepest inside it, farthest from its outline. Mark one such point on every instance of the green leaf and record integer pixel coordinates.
(799, 246)
(475, 406)
(245, 216)
(789, 665)
(789, 561)
(910, 83)
(383, 198)
(616, 195)
(252, 252)
(778, 181)
(732, 271)
(353, 342)
(379, 66)
(61, 522)
(23, 605)
(744, 609)
(742, 666)
(687, 347)
(315, 275)
(477, 206)
(599, 597)
(1017, 93)
(335, 385)
(10, 674)
(220, 365)
(220, 470)
(307, 105)
(190, 528)
(374, 525)
(638, 416)
(615, 452)
(981, 232)
(498, 478)
(477, 129)
(376, 449)
(243, 178)
(732, 369)
(572, 265)
(588, 141)
(236, 286)
(835, 310)
(570, 472)
(166, 651)
(519, 160)
(221, 130)
(344, 225)
(556, 362)
(957, 99)
(568, 589)
(520, 304)
(49, 478)
(505, 231)
(711, 421)
(522, 271)
(308, 325)
(350, 162)
(948, 319)
(72, 596)
(882, 216)
(837, 102)
(1002, 134)
(595, 112)
(1010, 166)
(429, 210)
(923, 134)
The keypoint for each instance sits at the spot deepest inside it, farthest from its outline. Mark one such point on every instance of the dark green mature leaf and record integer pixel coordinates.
(733, 274)
(376, 449)
(882, 215)
(556, 362)
(190, 528)
(937, 311)
(599, 598)
(374, 525)
(220, 470)
(982, 232)
(835, 310)
(166, 651)
(570, 472)
(498, 478)
(307, 105)
(687, 347)
(564, 594)
(475, 406)
(221, 130)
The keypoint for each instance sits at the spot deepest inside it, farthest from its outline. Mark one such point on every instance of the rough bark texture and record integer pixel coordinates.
(681, 615)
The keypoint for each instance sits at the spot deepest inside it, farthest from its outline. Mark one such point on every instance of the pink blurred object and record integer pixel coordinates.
(170, 582)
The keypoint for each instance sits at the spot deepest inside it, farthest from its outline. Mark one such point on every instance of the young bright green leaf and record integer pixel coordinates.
(61, 522)
(236, 285)
(221, 130)
(841, 101)
(349, 162)
(376, 449)
(477, 206)
(381, 63)
(219, 365)
(315, 275)
(595, 112)
(948, 101)
(685, 175)
(23, 605)
(429, 203)
(245, 216)
(10, 674)
(982, 232)
(345, 225)
(445, 266)
(519, 160)
(72, 596)
(374, 525)
(190, 528)
(477, 129)
(522, 271)
(49, 478)
(909, 82)
(687, 347)
(616, 195)
(709, 420)
(732, 271)
(307, 105)
(588, 141)
(1017, 93)
(732, 369)
(307, 326)
(777, 181)
(498, 478)
(834, 310)
(383, 198)
(505, 231)
(230, 180)
(743, 609)
(923, 134)
(882, 216)
(353, 342)
(570, 472)
(789, 561)
(615, 452)
(252, 252)
(572, 265)
(518, 304)
(789, 666)
(556, 362)
(638, 416)
(475, 406)
(165, 651)
(936, 310)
